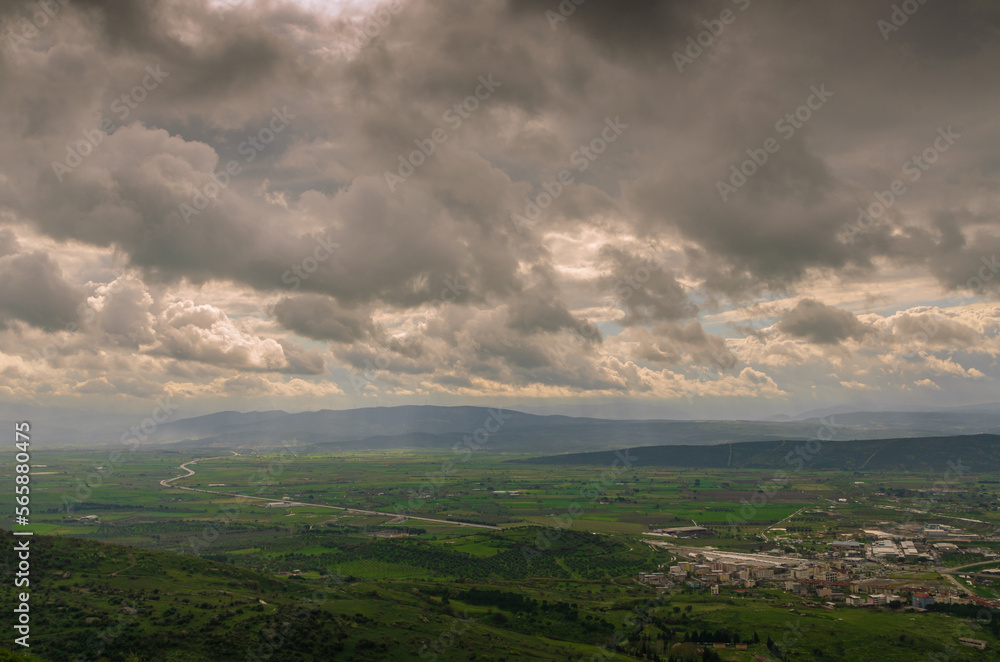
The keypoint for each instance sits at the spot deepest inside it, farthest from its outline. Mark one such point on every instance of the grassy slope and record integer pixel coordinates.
(115, 602)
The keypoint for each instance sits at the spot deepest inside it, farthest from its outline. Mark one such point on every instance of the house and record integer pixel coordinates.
(921, 600)
(652, 578)
(973, 643)
(855, 601)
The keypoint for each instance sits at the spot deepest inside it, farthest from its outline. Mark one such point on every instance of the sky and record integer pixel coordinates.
(735, 208)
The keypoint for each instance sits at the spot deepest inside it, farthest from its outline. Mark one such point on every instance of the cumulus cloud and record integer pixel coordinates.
(818, 323)
(322, 318)
(206, 334)
(301, 259)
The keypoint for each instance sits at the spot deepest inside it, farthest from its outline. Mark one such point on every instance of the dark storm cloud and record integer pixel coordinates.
(643, 29)
(33, 290)
(322, 318)
(968, 265)
(539, 309)
(436, 258)
(451, 214)
(822, 324)
(646, 288)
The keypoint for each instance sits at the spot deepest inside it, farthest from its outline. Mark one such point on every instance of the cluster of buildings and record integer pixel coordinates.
(912, 544)
(834, 582)
(919, 544)
(748, 572)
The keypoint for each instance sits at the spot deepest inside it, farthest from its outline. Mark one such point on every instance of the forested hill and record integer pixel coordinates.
(979, 453)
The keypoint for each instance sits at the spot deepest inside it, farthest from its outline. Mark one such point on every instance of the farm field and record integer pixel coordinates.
(496, 536)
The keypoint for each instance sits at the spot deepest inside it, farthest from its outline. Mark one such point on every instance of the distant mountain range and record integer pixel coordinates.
(962, 455)
(433, 427)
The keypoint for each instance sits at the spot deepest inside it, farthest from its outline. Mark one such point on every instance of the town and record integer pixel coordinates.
(850, 573)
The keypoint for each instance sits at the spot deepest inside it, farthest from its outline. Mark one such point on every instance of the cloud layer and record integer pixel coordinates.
(731, 207)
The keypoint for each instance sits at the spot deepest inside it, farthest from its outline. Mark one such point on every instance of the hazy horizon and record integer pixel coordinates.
(247, 205)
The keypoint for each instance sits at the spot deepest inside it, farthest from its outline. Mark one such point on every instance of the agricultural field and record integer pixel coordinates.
(515, 560)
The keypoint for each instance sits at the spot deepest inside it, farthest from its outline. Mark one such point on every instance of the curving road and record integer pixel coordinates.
(190, 472)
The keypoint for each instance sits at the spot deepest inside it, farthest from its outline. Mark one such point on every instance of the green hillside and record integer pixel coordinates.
(926, 454)
(111, 603)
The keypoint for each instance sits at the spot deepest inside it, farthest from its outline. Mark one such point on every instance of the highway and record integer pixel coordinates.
(190, 472)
